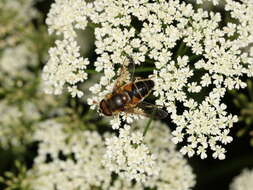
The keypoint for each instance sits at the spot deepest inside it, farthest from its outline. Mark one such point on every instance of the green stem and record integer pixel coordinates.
(194, 58)
(144, 69)
(250, 89)
(92, 25)
(90, 71)
(180, 50)
(147, 127)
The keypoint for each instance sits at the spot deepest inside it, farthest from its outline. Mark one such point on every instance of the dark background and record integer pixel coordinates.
(211, 174)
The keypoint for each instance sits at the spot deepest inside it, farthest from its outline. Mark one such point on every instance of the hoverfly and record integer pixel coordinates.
(129, 97)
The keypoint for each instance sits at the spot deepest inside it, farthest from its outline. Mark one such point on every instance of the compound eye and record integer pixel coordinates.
(118, 100)
(104, 108)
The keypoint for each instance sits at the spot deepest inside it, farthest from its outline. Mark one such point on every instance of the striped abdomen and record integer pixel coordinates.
(138, 90)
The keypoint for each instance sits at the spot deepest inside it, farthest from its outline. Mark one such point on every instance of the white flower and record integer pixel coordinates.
(215, 2)
(187, 150)
(75, 92)
(206, 80)
(225, 138)
(115, 122)
(243, 181)
(202, 152)
(193, 87)
(219, 152)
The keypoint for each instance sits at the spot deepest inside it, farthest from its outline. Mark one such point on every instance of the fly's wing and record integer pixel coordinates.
(136, 110)
(131, 68)
(126, 73)
(152, 110)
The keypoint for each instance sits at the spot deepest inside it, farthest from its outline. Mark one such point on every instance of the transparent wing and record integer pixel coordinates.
(126, 72)
(152, 110)
(131, 68)
(135, 110)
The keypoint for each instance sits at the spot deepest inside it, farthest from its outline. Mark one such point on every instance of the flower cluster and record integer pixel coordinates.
(65, 67)
(129, 157)
(14, 63)
(22, 102)
(206, 126)
(75, 160)
(174, 172)
(196, 58)
(147, 158)
(16, 123)
(16, 60)
(15, 16)
(17, 52)
(244, 181)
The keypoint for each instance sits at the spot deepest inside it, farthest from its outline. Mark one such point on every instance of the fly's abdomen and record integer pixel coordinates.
(142, 88)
